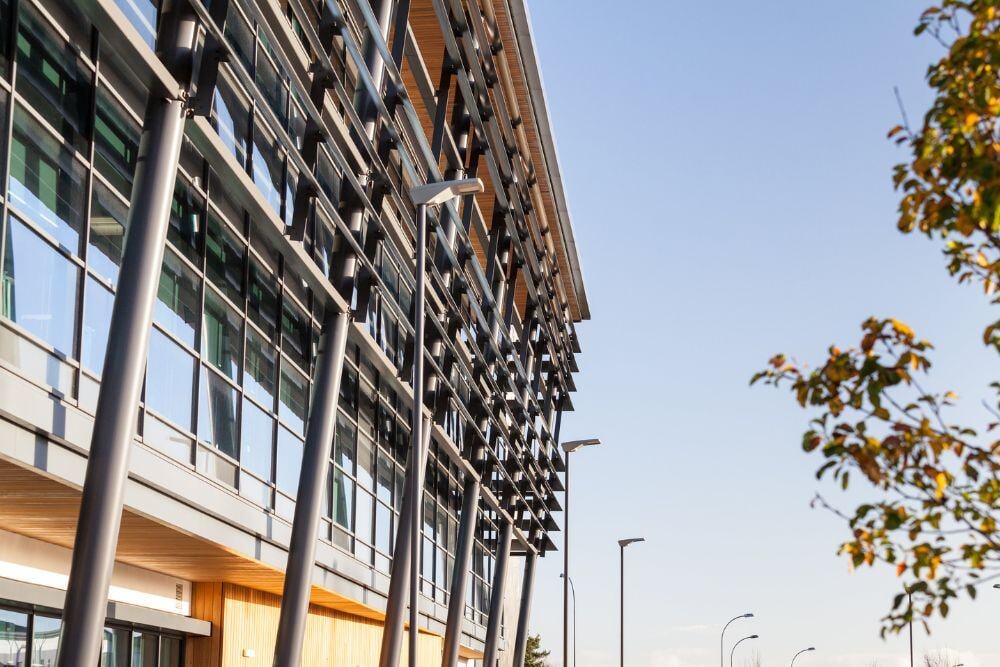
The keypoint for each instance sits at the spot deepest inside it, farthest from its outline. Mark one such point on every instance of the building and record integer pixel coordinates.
(268, 149)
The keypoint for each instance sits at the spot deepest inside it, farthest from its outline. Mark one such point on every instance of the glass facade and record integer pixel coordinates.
(30, 638)
(235, 329)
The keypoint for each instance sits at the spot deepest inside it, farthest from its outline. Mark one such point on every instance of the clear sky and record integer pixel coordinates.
(729, 180)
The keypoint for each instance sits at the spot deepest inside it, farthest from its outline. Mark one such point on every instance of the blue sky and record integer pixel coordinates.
(729, 179)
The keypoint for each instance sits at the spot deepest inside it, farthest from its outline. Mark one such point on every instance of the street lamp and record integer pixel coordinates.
(431, 194)
(621, 545)
(805, 650)
(573, 588)
(569, 448)
(722, 639)
(733, 652)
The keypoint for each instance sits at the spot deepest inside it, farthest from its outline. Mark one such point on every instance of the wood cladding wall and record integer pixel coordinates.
(245, 621)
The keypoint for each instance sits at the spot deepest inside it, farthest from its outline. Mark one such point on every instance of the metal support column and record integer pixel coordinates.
(497, 595)
(521, 638)
(125, 364)
(460, 572)
(312, 485)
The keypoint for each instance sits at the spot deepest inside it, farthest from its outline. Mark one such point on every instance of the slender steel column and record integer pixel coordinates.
(566, 569)
(125, 363)
(312, 484)
(497, 595)
(521, 639)
(416, 489)
(460, 572)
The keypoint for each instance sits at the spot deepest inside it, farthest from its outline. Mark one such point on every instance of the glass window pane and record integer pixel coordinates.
(177, 302)
(39, 287)
(295, 339)
(263, 307)
(343, 499)
(4, 7)
(44, 640)
(268, 166)
(185, 221)
(108, 218)
(5, 19)
(289, 461)
(46, 182)
(116, 136)
(231, 118)
(272, 85)
(383, 528)
(13, 638)
(115, 648)
(240, 35)
(217, 413)
(383, 478)
(170, 652)
(53, 79)
(226, 259)
(142, 15)
(97, 305)
(349, 390)
(222, 336)
(144, 645)
(292, 399)
(344, 446)
(169, 379)
(365, 462)
(363, 516)
(258, 380)
(255, 449)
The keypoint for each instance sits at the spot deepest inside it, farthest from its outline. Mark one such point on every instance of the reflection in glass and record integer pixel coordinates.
(292, 399)
(226, 259)
(97, 305)
(115, 648)
(44, 640)
(231, 118)
(295, 330)
(177, 302)
(170, 652)
(13, 638)
(343, 498)
(258, 379)
(46, 182)
(185, 221)
(289, 461)
(142, 15)
(255, 448)
(116, 142)
(344, 438)
(108, 217)
(217, 413)
(268, 164)
(53, 79)
(144, 649)
(271, 84)
(39, 287)
(221, 335)
(169, 379)
(363, 516)
(263, 295)
(240, 36)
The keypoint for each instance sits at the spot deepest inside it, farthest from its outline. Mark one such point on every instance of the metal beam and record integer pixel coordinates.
(460, 572)
(497, 595)
(521, 638)
(312, 485)
(128, 340)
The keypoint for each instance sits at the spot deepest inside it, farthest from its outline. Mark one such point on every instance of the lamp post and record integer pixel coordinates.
(805, 650)
(621, 546)
(431, 194)
(722, 639)
(733, 652)
(569, 448)
(573, 588)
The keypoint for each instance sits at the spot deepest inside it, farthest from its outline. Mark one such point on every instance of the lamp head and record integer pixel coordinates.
(631, 540)
(753, 637)
(748, 615)
(432, 194)
(574, 445)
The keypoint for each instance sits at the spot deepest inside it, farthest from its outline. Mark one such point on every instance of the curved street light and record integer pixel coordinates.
(805, 650)
(569, 447)
(621, 545)
(733, 652)
(722, 639)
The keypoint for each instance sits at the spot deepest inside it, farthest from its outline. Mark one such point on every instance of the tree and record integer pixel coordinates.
(534, 656)
(936, 483)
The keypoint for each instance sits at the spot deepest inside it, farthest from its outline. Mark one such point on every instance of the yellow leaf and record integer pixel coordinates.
(901, 328)
(981, 260)
(941, 479)
(970, 120)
